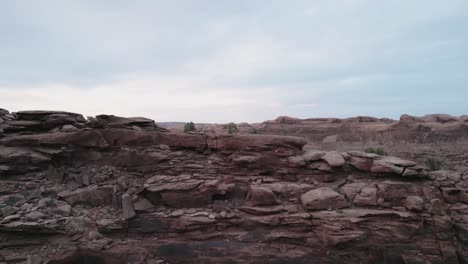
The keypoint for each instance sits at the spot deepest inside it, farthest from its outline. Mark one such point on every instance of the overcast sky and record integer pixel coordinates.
(224, 60)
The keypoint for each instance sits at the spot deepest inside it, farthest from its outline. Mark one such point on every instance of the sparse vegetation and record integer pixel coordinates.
(189, 127)
(232, 128)
(450, 167)
(377, 150)
(253, 130)
(50, 203)
(435, 165)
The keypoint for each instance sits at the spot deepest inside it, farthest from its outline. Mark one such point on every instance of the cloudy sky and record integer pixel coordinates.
(224, 60)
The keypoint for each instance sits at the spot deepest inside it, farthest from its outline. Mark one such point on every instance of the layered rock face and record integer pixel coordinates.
(123, 190)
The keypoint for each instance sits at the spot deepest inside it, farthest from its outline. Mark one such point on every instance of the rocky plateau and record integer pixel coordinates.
(121, 190)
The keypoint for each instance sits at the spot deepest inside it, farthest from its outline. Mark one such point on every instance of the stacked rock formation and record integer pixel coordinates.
(119, 190)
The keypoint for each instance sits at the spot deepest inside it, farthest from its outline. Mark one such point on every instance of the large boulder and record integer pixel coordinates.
(261, 196)
(334, 159)
(414, 203)
(367, 196)
(142, 204)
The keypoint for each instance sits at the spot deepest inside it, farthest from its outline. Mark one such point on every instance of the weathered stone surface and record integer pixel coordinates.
(81, 138)
(397, 161)
(351, 189)
(414, 203)
(436, 207)
(334, 159)
(261, 196)
(380, 166)
(34, 259)
(323, 198)
(125, 188)
(367, 196)
(142, 205)
(41, 115)
(111, 225)
(92, 195)
(364, 164)
(8, 210)
(121, 122)
(245, 141)
(125, 137)
(34, 216)
(360, 154)
(69, 128)
(313, 155)
(127, 206)
(261, 210)
(63, 209)
(54, 174)
(22, 160)
(296, 161)
(4, 112)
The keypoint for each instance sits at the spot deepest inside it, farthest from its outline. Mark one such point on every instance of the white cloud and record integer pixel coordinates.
(216, 61)
(160, 97)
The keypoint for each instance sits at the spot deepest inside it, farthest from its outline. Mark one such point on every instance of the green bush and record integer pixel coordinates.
(378, 150)
(232, 128)
(189, 127)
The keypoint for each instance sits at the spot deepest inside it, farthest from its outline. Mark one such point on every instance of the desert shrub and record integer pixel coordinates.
(232, 128)
(253, 130)
(378, 150)
(189, 127)
(50, 203)
(435, 165)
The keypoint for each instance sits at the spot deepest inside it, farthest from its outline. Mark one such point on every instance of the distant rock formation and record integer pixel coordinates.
(123, 190)
(437, 136)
